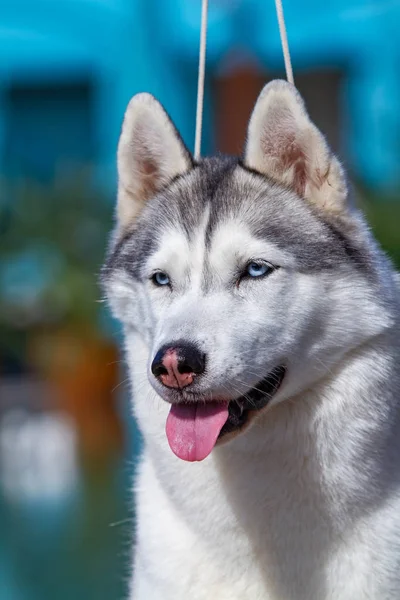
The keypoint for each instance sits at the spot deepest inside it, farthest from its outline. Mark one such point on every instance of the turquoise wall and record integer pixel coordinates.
(99, 53)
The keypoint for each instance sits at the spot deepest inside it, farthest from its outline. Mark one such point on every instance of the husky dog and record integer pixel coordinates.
(262, 332)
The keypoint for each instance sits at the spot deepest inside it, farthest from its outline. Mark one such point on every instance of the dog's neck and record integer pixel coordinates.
(339, 439)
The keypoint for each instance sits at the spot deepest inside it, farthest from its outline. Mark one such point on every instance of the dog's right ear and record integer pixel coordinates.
(150, 154)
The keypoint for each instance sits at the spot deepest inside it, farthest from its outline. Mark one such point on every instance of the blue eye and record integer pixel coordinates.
(258, 269)
(160, 278)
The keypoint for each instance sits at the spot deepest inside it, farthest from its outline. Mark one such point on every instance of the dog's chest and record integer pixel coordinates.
(253, 526)
(236, 540)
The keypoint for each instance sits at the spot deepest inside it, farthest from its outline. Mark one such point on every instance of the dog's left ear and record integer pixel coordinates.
(283, 143)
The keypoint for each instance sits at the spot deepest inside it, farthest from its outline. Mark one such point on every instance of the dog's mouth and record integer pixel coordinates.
(193, 428)
(256, 399)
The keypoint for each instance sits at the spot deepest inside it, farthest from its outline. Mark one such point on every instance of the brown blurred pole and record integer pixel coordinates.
(236, 91)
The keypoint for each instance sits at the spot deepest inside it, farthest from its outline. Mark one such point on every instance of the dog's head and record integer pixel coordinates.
(249, 279)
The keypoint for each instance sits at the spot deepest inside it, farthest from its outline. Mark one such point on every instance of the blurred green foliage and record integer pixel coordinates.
(53, 241)
(383, 214)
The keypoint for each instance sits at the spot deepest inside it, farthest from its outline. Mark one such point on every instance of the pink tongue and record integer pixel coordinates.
(192, 429)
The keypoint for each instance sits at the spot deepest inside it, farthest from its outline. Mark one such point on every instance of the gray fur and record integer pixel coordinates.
(272, 211)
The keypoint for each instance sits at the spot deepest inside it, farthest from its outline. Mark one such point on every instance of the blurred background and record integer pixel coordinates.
(68, 444)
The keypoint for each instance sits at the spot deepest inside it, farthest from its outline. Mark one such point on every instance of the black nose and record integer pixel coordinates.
(190, 359)
(183, 356)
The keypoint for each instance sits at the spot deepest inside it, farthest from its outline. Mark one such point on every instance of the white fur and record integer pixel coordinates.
(292, 509)
(265, 514)
(305, 503)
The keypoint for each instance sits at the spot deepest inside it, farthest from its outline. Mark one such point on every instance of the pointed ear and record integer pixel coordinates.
(283, 143)
(150, 154)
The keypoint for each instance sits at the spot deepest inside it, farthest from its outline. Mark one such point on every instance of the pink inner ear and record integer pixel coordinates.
(295, 157)
(146, 167)
(280, 143)
(146, 173)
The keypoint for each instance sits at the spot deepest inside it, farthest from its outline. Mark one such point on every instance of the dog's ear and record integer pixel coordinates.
(285, 145)
(150, 154)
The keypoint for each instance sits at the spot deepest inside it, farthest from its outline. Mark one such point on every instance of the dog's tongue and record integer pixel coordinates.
(192, 429)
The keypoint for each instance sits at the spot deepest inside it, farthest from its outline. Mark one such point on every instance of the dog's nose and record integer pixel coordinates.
(177, 365)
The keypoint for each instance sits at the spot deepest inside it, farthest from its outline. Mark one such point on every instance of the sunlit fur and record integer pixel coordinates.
(305, 503)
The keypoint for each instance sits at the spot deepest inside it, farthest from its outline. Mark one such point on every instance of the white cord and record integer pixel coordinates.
(284, 41)
(200, 82)
(202, 64)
